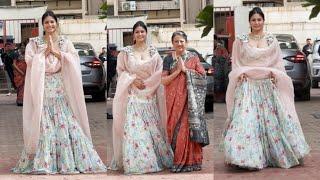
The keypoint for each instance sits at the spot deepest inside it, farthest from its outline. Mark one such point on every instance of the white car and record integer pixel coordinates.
(314, 60)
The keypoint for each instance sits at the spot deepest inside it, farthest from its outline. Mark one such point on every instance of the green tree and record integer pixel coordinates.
(315, 10)
(104, 10)
(205, 19)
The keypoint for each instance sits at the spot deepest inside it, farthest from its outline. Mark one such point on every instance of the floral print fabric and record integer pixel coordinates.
(63, 147)
(145, 148)
(260, 132)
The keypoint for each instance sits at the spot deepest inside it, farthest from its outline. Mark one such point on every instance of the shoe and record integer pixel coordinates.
(109, 116)
(109, 98)
(9, 94)
(19, 104)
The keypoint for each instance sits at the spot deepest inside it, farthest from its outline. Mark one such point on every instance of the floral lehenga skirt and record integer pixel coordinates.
(144, 147)
(63, 147)
(261, 133)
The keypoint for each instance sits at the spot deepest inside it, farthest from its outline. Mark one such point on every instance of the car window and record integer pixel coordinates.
(84, 52)
(288, 45)
(287, 42)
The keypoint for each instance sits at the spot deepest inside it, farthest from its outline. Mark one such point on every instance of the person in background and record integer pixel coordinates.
(111, 66)
(7, 77)
(308, 47)
(220, 64)
(7, 58)
(19, 70)
(103, 54)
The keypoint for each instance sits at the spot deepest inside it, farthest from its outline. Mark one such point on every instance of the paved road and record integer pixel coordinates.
(11, 144)
(309, 113)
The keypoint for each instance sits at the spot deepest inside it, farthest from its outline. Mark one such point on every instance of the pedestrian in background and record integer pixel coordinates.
(308, 47)
(103, 54)
(19, 70)
(8, 82)
(186, 126)
(7, 58)
(263, 128)
(111, 66)
(220, 63)
(56, 130)
(139, 138)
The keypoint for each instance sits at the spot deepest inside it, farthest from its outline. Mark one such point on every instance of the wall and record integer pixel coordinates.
(117, 29)
(294, 20)
(153, 5)
(161, 37)
(227, 3)
(86, 30)
(18, 16)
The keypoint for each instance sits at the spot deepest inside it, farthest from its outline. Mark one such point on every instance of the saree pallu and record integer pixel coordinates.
(197, 87)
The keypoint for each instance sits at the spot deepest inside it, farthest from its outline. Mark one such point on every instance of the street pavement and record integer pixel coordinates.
(11, 144)
(309, 114)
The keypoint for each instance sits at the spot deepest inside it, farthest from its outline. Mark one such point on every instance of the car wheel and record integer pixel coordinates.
(305, 95)
(209, 106)
(100, 97)
(315, 84)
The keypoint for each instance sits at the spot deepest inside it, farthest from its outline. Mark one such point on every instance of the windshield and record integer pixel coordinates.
(85, 52)
(287, 42)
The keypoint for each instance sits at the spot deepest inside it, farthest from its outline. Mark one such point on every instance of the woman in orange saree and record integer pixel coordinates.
(19, 71)
(187, 153)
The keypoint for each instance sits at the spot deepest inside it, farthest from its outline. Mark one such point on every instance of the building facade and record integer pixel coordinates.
(166, 13)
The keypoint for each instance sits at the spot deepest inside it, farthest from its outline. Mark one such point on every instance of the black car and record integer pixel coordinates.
(296, 65)
(93, 73)
(209, 70)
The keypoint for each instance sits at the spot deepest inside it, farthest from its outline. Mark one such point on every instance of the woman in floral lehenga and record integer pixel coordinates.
(19, 70)
(263, 128)
(139, 138)
(186, 138)
(55, 123)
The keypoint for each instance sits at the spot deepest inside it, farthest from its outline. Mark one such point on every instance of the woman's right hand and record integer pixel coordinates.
(139, 84)
(243, 77)
(48, 50)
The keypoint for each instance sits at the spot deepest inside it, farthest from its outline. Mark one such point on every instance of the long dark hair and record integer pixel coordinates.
(256, 10)
(179, 33)
(51, 14)
(139, 24)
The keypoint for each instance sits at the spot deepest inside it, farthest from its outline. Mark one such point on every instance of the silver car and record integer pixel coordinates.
(296, 64)
(315, 63)
(92, 69)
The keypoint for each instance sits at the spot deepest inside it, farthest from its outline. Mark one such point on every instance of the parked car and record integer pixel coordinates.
(93, 73)
(209, 70)
(296, 65)
(315, 63)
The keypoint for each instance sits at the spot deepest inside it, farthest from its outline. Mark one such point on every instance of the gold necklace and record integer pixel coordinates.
(140, 49)
(256, 37)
